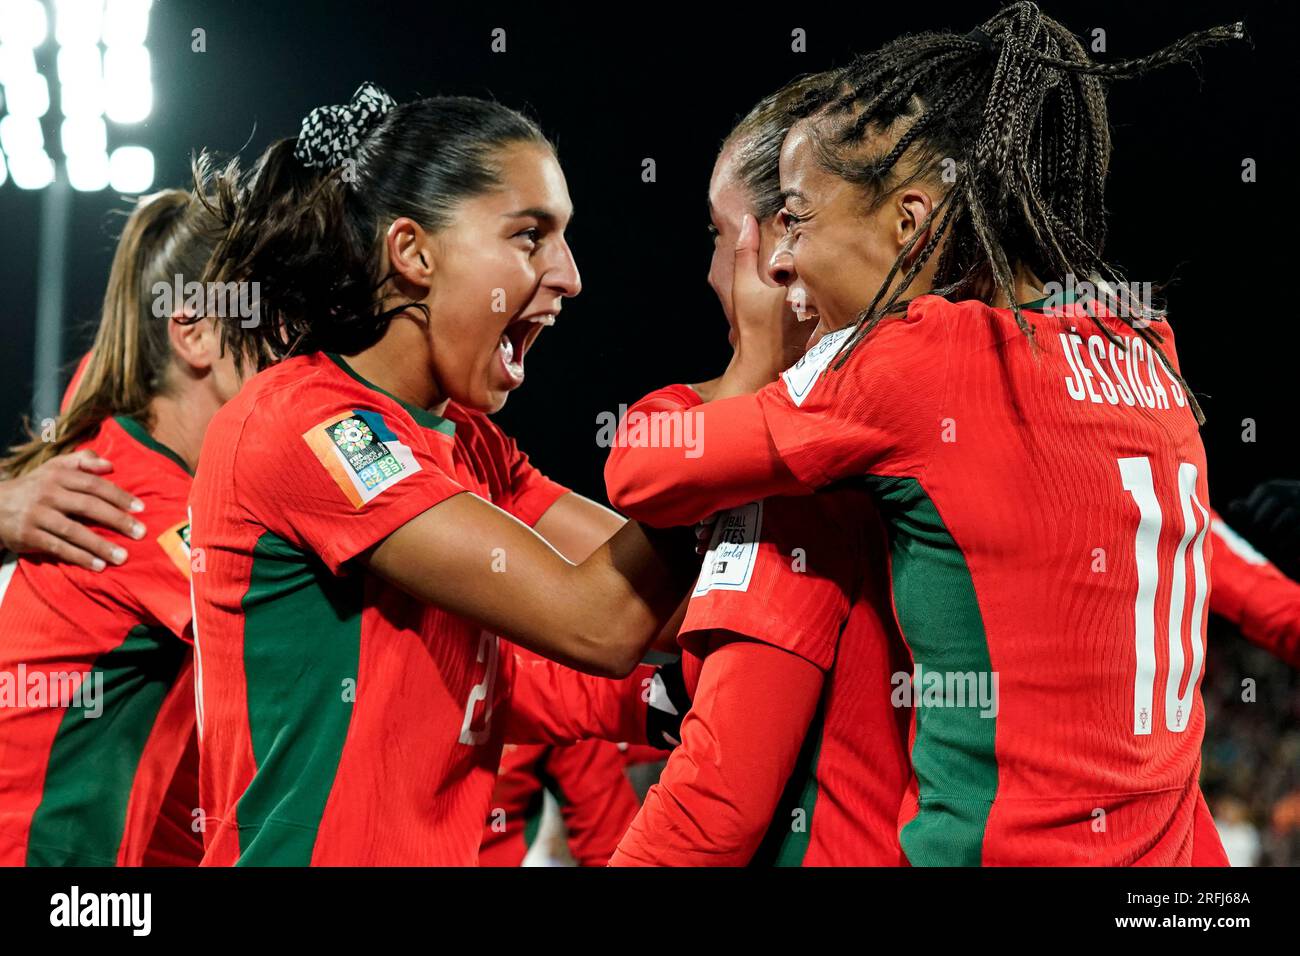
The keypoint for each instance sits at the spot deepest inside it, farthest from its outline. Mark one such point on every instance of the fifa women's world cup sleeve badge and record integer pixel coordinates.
(361, 453)
(175, 542)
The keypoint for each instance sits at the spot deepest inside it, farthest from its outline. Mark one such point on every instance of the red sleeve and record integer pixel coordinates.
(517, 487)
(740, 741)
(596, 799)
(878, 413)
(160, 566)
(782, 571)
(1262, 602)
(531, 492)
(729, 462)
(551, 703)
(334, 474)
(155, 580)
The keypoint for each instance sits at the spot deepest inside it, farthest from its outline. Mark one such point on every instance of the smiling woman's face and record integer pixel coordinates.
(835, 253)
(499, 273)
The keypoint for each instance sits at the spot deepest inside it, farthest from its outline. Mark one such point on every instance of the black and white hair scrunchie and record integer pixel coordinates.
(330, 134)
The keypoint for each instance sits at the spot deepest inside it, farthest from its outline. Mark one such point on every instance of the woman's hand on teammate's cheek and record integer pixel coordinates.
(762, 335)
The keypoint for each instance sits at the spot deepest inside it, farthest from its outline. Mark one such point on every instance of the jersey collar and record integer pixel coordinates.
(423, 417)
(137, 431)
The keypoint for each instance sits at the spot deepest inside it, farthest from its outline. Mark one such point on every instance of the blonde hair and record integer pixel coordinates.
(169, 233)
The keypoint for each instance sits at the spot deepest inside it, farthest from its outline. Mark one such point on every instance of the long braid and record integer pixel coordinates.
(1020, 109)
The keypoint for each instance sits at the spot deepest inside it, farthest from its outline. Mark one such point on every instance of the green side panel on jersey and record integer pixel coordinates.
(790, 832)
(533, 818)
(94, 759)
(953, 753)
(302, 640)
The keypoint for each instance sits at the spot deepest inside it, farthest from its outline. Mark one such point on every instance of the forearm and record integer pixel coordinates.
(1268, 616)
(553, 704)
(470, 558)
(732, 462)
(715, 799)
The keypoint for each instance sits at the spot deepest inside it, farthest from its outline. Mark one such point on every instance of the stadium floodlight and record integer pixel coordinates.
(85, 148)
(23, 23)
(103, 71)
(126, 22)
(130, 169)
(24, 144)
(27, 95)
(78, 21)
(31, 170)
(127, 84)
(81, 81)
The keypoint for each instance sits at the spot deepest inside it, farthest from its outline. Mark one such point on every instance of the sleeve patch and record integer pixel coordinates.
(361, 453)
(729, 564)
(800, 377)
(175, 542)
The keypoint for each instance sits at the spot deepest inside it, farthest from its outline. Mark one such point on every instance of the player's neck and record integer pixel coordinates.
(1028, 288)
(398, 364)
(180, 420)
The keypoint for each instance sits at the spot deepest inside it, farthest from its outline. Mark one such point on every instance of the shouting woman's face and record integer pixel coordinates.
(497, 275)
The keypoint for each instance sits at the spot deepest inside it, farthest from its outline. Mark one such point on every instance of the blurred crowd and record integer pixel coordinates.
(1251, 769)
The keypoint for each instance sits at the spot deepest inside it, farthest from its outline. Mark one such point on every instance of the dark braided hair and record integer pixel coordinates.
(1020, 111)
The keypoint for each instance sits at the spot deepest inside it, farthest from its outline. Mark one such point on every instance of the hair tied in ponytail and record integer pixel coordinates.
(330, 134)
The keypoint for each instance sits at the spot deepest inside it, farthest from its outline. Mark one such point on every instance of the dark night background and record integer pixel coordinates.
(654, 81)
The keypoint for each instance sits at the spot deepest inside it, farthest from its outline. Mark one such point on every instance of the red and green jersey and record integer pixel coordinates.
(1047, 515)
(589, 782)
(341, 720)
(96, 687)
(808, 575)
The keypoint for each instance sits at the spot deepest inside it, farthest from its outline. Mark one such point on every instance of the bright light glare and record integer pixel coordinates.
(85, 134)
(128, 88)
(21, 134)
(31, 170)
(16, 62)
(88, 172)
(130, 169)
(23, 23)
(126, 22)
(78, 22)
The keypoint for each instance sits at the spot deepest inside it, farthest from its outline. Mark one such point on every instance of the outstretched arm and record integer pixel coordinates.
(470, 558)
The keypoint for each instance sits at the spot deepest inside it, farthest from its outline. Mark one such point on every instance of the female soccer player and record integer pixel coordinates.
(1015, 451)
(763, 803)
(97, 751)
(792, 752)
(353, 693)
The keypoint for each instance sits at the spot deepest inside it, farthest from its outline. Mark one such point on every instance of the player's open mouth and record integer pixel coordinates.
(803, 310)
(517, 339)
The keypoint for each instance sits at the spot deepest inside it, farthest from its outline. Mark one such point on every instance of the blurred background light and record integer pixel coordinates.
(130, 169)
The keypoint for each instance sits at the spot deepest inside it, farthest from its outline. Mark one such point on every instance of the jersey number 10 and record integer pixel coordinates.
(1136, 476)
